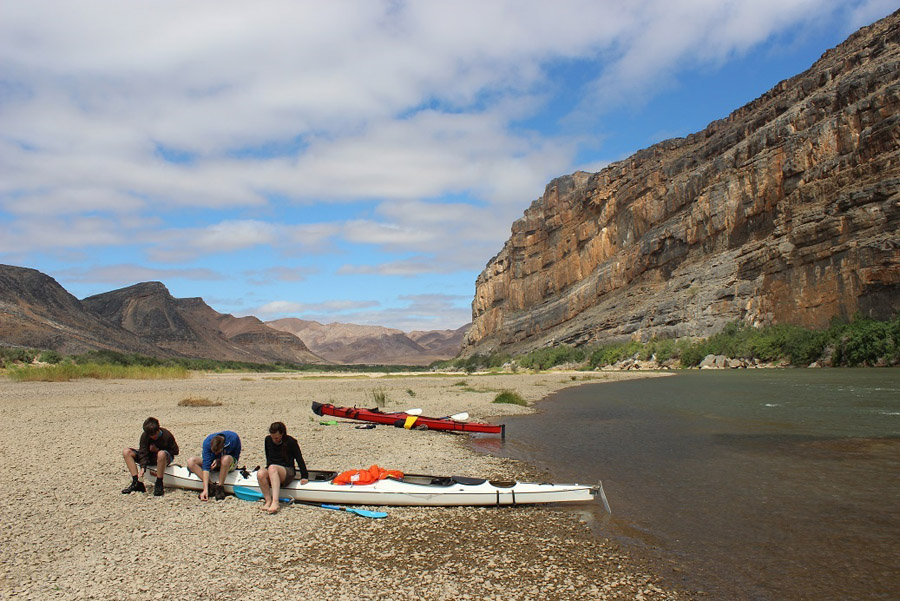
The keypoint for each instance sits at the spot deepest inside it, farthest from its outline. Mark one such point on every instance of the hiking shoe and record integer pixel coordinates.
(134, 487)
(158, 489)
(220, 493)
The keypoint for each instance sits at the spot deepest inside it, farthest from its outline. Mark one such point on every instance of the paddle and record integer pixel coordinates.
(458, 417)
(251, 494)
(413, 412)
(363, 512)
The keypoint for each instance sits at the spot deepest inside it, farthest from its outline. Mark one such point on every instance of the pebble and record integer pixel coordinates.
(93, 542)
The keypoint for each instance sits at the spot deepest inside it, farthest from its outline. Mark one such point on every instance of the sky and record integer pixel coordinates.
(348, 161)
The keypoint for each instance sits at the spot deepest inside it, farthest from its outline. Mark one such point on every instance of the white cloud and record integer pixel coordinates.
(279, 274)
(126, 274)
(410, 312)
(283, 308)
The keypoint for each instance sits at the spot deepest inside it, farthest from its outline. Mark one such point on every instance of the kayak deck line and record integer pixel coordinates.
(411, 490)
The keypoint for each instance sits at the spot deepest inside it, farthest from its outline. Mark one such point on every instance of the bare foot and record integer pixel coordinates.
(273, 508)
(265, 506)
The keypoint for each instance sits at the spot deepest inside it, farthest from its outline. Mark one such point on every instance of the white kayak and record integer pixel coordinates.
(413, 489)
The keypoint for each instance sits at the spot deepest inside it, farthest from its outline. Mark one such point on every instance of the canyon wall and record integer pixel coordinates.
(786, 211)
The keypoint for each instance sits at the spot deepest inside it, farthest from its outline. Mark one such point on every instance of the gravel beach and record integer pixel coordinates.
(68, 532)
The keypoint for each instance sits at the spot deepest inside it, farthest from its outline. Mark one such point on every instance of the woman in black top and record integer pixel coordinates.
(281, 453)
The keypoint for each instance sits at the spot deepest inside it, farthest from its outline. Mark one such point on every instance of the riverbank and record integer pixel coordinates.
(73, 535)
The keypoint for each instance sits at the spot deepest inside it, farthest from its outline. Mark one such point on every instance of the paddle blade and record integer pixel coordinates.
(366, 513)
(460, 417)
(247, 494)
(251, 494)
(413, 412)
(363, 512)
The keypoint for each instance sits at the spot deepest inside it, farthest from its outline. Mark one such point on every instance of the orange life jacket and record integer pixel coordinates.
(369, 476)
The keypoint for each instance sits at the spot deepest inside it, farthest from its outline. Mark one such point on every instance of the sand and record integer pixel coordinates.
(69, 533)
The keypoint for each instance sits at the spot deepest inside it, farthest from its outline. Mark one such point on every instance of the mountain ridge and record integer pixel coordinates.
(144, 318)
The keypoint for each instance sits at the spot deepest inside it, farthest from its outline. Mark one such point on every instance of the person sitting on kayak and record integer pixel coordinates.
(156, 447)
(281, 453)
(221, 451)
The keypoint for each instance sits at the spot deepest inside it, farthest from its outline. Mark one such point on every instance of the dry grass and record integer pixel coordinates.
(193, 401)
(65, 372)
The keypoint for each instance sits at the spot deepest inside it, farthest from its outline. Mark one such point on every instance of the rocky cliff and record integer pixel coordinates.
(191, 328)
(785, 211)
(35, 311)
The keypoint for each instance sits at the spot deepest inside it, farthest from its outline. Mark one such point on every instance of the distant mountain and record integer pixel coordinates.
(35, 311)
(190, 327)
(442, 342)
(358, 344)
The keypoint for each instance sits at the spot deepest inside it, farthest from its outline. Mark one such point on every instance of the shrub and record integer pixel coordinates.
(198, 402)
(510, 397)
(546, 358)
(380, 398)
(50, 357)
(613, 353)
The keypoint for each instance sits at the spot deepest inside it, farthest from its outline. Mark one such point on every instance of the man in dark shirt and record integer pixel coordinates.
(157, 447)
(281, 453)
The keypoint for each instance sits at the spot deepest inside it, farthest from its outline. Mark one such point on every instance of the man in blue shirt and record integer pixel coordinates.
(221, 451)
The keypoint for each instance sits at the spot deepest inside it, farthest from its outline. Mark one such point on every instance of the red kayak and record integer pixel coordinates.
(404, 420)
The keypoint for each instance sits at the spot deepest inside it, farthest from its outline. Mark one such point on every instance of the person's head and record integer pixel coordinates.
(151, 427)
(277, 431)
(217, 444)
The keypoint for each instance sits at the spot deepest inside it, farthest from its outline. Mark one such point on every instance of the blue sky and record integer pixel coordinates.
(348, 161)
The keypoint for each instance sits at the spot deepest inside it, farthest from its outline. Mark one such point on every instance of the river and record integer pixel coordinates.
(750, 484)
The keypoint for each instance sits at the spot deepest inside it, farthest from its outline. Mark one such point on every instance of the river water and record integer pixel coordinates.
(750, 484)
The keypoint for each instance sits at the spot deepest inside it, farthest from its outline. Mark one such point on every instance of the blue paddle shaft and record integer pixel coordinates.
(251, 494)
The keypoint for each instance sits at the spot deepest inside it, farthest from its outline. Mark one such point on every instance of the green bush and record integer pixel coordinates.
(546, 358)
(50, 357)
(510, 397)
(11, 356)
(865, 342)
(611, 354)
(692, 353)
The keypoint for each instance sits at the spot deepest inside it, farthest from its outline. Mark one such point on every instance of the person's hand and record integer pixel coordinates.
(214, 465)
(204, 496)
(303, 480)
(154, 449)
(140, 472)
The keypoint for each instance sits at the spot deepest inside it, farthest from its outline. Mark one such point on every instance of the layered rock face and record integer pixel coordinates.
(191, 328)
(35, 311)
(787, 211)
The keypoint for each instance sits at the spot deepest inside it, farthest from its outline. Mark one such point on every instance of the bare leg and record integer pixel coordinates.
(262, 476)
(162, 460)
(276, 475)
(128, 454)
(226, 462)
(195, 464)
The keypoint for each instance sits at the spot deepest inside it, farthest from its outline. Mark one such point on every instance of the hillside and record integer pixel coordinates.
(35, 311)
(190, 327)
